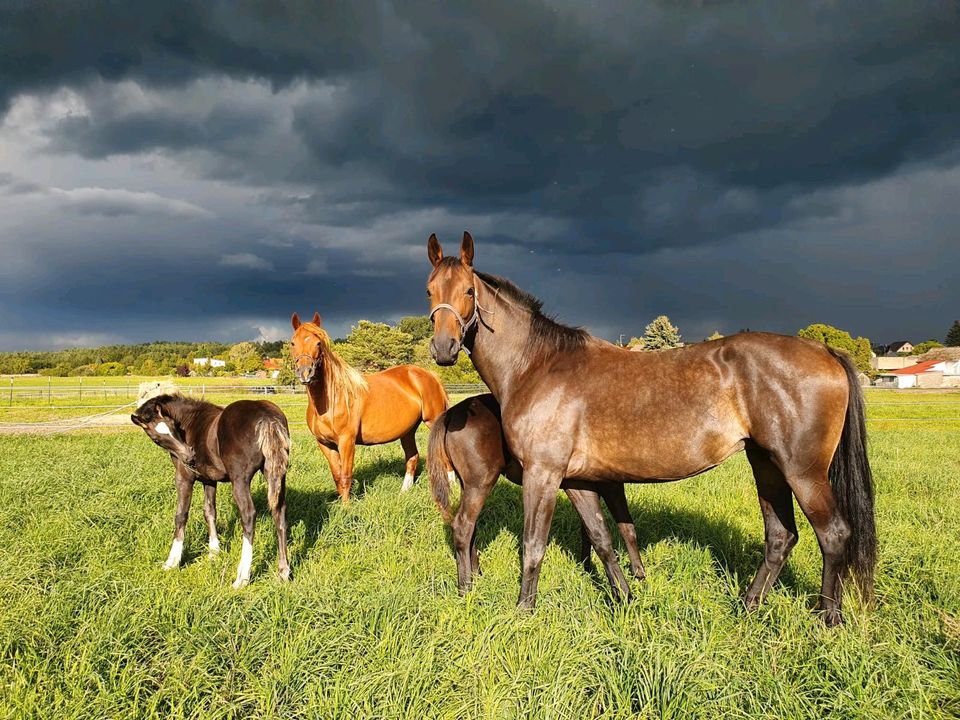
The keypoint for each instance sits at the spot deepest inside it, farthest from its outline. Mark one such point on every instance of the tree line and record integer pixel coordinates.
(370, 346)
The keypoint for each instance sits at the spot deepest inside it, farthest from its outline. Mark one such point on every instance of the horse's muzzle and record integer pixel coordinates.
(306, 374)
(445, 350)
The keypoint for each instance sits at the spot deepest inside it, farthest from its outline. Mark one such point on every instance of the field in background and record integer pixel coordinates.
(372, 625)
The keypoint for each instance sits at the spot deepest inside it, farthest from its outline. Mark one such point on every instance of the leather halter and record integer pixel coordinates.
(465, 325)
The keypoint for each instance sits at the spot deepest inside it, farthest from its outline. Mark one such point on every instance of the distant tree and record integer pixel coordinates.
(183, 370)
(658, 335)
(244, 357)
(416, 326)
(858, 349)
(953, 335)
(634, 342)
(715, 336)
(374, 346)
(921, 348)
(288, 370)
(111, 369)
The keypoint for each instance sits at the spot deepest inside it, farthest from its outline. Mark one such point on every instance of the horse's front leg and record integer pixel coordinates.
(540, 485)
(347, 445)
(184, 483)
(210, 514)
(333, 460)
(412, 456)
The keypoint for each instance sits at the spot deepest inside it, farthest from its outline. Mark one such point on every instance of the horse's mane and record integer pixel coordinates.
(339, 378)
(546, 334)
(187, 411)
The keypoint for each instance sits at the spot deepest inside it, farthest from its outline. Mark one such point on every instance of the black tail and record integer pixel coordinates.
(438, 464)
(274, 439)
(852, 484)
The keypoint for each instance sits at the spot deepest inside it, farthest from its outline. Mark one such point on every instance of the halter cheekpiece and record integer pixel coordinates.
(465, 325)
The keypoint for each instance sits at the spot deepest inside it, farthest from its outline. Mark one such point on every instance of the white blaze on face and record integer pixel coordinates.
(246, 560)
(407, 482)
(176, 553)
(161, 427)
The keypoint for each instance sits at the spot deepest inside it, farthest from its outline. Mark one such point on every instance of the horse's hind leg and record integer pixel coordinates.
(248, 516)
(409, 444)
(210, 514)
(615, 496)
(780, 527)
(476, 488)
(280, 522)
(815, 497)
(587, 504)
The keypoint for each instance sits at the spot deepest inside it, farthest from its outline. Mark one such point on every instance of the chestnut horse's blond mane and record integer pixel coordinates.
(340, 379)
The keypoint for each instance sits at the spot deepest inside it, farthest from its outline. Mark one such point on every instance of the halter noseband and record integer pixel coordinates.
(465, 325)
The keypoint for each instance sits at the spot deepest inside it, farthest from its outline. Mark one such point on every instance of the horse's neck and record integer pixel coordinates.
(317, 392)
(499, 345)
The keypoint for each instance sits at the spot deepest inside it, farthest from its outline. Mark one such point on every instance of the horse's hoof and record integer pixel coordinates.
(240, 584)
(285, 576)
(169, 566)
(751, 602)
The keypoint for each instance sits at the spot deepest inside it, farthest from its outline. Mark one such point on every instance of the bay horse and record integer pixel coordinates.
(346, 408)
(469, 438)
(577, 406)
(213, 444)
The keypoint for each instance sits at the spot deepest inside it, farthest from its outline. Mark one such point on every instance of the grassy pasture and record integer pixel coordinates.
(372, 625)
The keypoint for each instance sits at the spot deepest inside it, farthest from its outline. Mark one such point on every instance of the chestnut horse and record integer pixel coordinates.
(346, 408)
(577, 406)
(469, 438)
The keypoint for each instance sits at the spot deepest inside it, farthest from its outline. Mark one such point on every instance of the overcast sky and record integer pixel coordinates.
(174, 170)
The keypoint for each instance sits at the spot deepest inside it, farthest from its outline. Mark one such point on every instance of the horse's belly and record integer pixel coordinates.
(628, 461)
(385, 424)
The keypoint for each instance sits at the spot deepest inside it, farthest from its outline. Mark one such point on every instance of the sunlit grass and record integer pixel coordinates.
(372, 625)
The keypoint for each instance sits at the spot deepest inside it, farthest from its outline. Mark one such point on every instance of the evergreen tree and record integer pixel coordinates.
(660, 334)
(953, 335)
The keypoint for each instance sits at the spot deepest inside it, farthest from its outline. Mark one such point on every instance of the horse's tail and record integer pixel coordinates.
(273, 437)
(852, 484)
(438, 465)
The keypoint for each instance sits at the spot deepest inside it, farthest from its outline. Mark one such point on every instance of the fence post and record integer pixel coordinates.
(11, 392)
(81, 388)
(49, 381)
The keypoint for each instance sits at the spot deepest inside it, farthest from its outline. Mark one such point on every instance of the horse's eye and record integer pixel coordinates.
(470, 292)
(428, 293)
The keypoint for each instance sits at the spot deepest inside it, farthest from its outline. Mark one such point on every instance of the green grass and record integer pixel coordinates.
(372, 625)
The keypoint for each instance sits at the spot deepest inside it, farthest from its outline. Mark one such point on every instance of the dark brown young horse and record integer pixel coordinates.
(469, 437)
(577, 406)
(213, 444)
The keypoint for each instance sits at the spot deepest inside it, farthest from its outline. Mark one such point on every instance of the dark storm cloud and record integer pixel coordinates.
(559, 132)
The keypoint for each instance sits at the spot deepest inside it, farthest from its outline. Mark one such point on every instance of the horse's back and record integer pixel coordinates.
(673, 413)
(237, 430)
(474, 436)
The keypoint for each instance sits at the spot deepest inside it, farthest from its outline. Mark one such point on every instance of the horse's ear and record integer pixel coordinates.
(295, 321)
(466, 249)
(434, 251)
(316, 318)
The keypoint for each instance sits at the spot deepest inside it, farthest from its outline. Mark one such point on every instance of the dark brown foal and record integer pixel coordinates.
(211, 444)
(469, 438)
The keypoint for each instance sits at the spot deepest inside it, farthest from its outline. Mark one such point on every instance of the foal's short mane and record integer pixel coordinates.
(546, 334)
(339, 378)
(185, 410)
